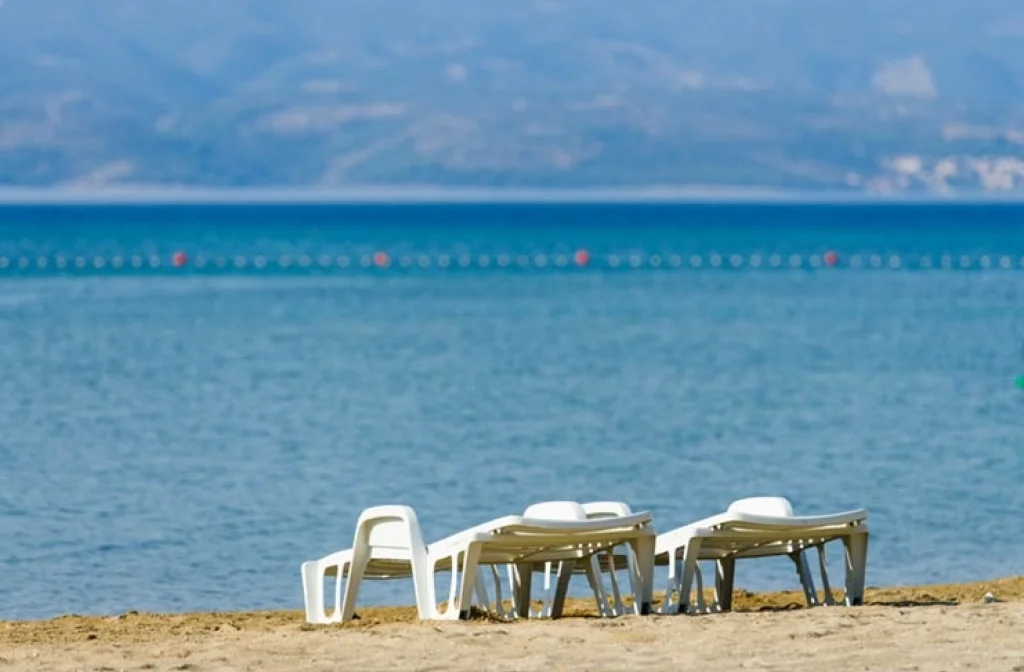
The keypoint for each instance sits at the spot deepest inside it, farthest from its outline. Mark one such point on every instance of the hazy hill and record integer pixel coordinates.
(806, 94)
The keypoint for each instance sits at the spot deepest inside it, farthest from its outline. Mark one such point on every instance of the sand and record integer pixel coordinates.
(928, 628)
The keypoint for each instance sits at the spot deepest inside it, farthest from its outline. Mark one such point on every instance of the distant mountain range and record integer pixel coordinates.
(883, 96)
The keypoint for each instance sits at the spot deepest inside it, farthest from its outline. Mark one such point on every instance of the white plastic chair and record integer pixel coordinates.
(388, 544)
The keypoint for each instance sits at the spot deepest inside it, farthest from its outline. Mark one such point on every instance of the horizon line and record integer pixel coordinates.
(380, 195)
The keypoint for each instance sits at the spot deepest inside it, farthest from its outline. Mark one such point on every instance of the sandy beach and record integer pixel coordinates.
(945, 627)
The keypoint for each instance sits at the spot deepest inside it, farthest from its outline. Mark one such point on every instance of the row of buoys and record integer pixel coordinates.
(580, 258)
(383, 259)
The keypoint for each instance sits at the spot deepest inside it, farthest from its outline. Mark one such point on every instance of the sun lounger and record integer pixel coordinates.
(760, 527)
(750, 528)
(388, 544)
(595, 568)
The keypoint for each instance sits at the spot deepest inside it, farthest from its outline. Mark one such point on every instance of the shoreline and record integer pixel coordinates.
(1006, 589)
(922, 628)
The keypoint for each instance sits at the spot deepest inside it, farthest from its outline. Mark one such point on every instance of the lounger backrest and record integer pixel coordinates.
(555, 511)
(763, 506)
(595, 510)
(390, 527)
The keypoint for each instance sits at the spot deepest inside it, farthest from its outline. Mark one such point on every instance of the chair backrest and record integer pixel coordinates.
(606, 509)
(763, 506)
(563, 510)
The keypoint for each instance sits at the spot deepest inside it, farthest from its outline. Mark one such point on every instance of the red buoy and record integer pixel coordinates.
(382, 259)
(831, 258)
(582, 257)
(179, 259)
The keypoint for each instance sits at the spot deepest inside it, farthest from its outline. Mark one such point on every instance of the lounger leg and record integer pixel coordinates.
(596, 582)
(552, 593)
(617, 607)
(463, 585)
(467, 580)
(313, 592)
(826, 587)
(698, 576)
(524, 589)
(681, 576)
(547, 591)
(803, 571)
(556, 604)
(856, 567)
(313, 574)
(643, 575)
(513, 580)
(675, 597)
(632, 571)
(499, 595)
(724, 579)
(670, 605)
(360, 558)
(480, 590)
(513, 589)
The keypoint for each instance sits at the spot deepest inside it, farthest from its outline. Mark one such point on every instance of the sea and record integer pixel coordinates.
(194, 399)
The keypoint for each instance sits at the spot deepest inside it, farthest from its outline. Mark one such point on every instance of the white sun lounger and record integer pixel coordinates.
(388, 544)
(750, 528)
(594, 567)
(760, 527)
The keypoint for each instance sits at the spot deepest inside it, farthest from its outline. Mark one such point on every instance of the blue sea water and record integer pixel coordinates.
(180, 439)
